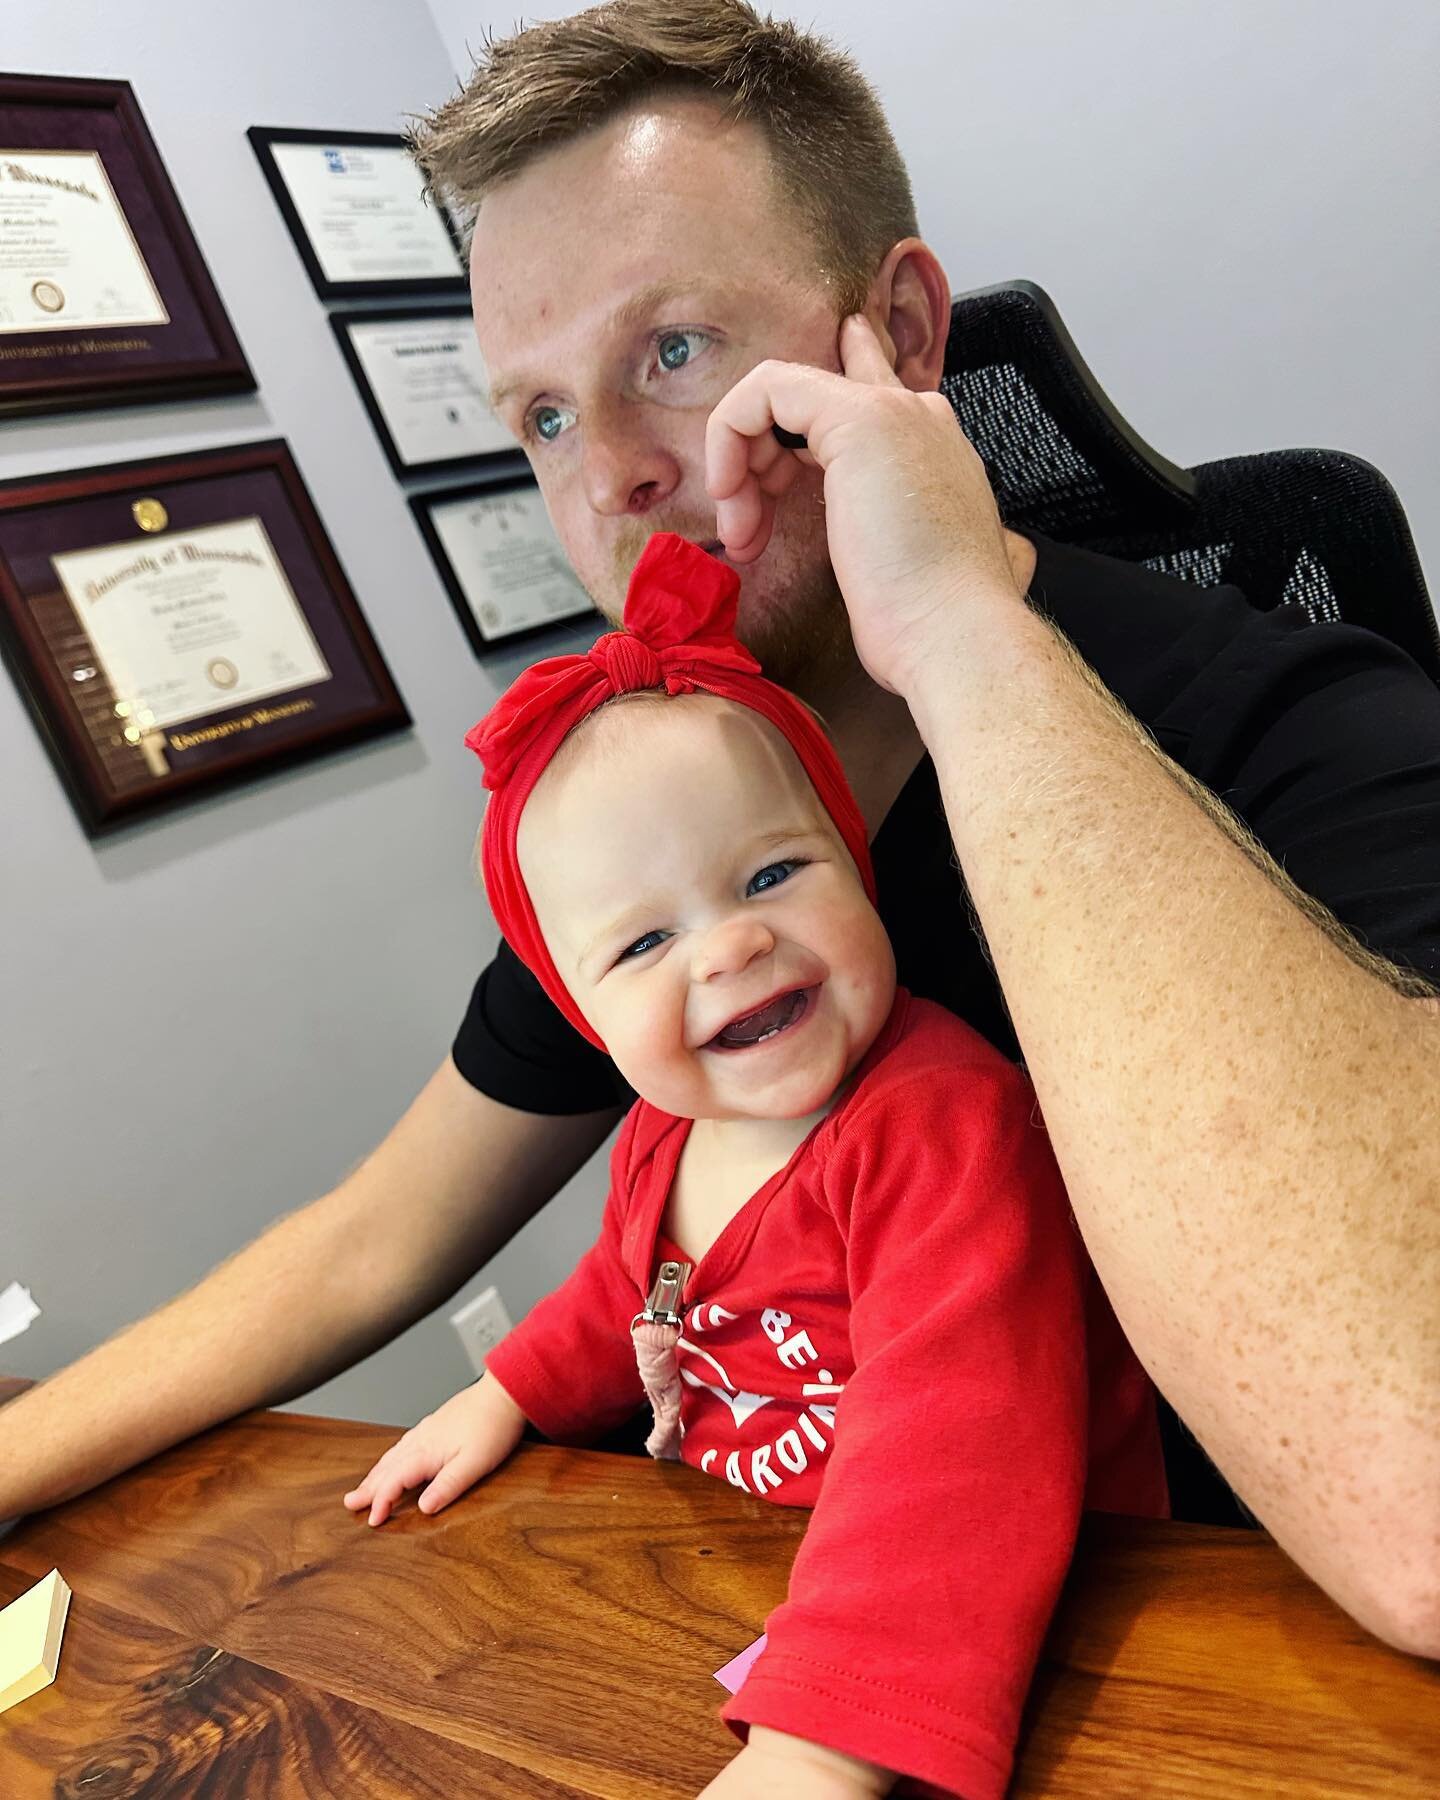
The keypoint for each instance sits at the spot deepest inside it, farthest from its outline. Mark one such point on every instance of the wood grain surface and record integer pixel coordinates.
(235, 1632)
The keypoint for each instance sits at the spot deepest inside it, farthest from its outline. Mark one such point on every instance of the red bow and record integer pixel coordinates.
(679, 635)
(679, 630)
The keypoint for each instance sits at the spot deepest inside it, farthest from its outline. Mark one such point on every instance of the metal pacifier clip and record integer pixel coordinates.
(655, 1332)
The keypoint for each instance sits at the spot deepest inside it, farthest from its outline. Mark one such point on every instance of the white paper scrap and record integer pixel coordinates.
(17, 1311)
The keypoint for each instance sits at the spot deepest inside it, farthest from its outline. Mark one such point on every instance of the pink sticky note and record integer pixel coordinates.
(738, 1667)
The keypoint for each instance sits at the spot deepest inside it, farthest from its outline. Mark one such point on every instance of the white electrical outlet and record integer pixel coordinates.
(481, 1323)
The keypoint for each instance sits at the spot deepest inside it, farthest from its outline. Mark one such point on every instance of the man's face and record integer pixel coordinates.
(622, 285)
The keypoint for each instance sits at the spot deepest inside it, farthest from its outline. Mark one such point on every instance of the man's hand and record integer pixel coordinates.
(774, 1765)
(451, 1449)
(910, 517)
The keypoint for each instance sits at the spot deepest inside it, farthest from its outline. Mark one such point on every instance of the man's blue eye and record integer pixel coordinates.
(548, 423)
(642, 944)
(771, 876)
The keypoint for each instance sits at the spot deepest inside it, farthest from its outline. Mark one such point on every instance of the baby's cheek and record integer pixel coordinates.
(858, 940)
(647, 1043)
(671, 1083)
(863, 963)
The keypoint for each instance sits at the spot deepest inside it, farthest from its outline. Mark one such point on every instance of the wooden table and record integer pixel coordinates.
(236, 1633)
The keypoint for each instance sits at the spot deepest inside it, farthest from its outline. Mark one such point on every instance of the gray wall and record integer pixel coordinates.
(208, 1019)
(1231, 201)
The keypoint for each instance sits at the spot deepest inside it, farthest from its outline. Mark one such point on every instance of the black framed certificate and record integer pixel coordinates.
(500, 560)
(360, 213)
(424, 386)
(105, 299)
(180, 624)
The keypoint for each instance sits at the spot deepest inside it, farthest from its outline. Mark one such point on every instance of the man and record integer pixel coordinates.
(691, 229)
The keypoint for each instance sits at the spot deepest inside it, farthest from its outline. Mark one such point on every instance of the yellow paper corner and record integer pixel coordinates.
(31, 1628)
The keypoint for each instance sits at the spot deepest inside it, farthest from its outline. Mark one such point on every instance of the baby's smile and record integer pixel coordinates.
(779, 1015)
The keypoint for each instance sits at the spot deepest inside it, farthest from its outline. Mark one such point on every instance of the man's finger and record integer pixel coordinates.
(779, 478)
(742, 523)
(738, 434)
(862, 355)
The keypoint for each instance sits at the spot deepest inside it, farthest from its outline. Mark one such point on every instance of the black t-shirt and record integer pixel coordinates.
(1323, 738)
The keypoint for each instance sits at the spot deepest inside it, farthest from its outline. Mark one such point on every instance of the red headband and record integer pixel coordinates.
(680, 636)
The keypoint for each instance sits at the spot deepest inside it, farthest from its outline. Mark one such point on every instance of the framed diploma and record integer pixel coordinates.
(105, 299)
(424, 386)
(181, 624)
(500, 560)
(360, 214)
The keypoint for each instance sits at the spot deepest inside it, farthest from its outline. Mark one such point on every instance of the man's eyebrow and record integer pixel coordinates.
(630, 311)
(502, 391)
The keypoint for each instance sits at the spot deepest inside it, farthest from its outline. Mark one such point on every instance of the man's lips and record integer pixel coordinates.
(786, 1019)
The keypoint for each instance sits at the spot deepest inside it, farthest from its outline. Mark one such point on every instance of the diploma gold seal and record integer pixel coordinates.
(47, 296)
(150, 515)
(222, 672)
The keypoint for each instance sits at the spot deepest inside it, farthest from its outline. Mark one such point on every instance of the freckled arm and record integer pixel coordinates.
(1246, 1109)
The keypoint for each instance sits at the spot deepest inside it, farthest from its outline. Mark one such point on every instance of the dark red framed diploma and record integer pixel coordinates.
(180, 624)
(105, 299)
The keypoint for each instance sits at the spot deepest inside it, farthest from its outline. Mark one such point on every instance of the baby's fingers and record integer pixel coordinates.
(387, 1491)
(404, 1466)
(462, 1471)
(364, 1491)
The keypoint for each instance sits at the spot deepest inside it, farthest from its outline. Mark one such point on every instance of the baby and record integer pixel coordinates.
(836, 1254)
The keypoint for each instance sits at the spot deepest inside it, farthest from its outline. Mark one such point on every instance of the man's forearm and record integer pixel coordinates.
(258, 1329)
(1244, 1113)
(454, 1180)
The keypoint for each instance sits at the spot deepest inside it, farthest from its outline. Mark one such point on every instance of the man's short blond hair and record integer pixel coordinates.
(832, 151)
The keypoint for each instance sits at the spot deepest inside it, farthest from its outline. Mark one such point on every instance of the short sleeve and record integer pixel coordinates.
(1325, 739)
(517, 1047)
(584, 1325)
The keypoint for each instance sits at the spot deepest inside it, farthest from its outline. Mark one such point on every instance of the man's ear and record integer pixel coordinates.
(909, 306)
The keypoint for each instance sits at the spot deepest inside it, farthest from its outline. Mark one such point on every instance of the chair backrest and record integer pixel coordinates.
(1311, 528)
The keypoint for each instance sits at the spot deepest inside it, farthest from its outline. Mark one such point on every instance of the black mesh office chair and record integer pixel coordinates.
(1311, 528)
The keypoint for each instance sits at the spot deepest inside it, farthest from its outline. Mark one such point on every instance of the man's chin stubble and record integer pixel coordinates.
(808, 648)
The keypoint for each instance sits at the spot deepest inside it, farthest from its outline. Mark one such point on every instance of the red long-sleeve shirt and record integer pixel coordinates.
(894, 1331)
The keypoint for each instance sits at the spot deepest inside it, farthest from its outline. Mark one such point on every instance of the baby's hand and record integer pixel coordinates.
(773, 1762)
(451, 1448)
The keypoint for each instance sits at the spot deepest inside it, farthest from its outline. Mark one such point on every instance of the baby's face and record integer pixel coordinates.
(703, 911)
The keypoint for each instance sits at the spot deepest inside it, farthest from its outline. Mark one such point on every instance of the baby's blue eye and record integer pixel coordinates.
(642, 945)
(674, 350)
(771, 876)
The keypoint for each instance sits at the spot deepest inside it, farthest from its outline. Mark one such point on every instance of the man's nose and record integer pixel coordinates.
(730, 947)
(627, 466)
